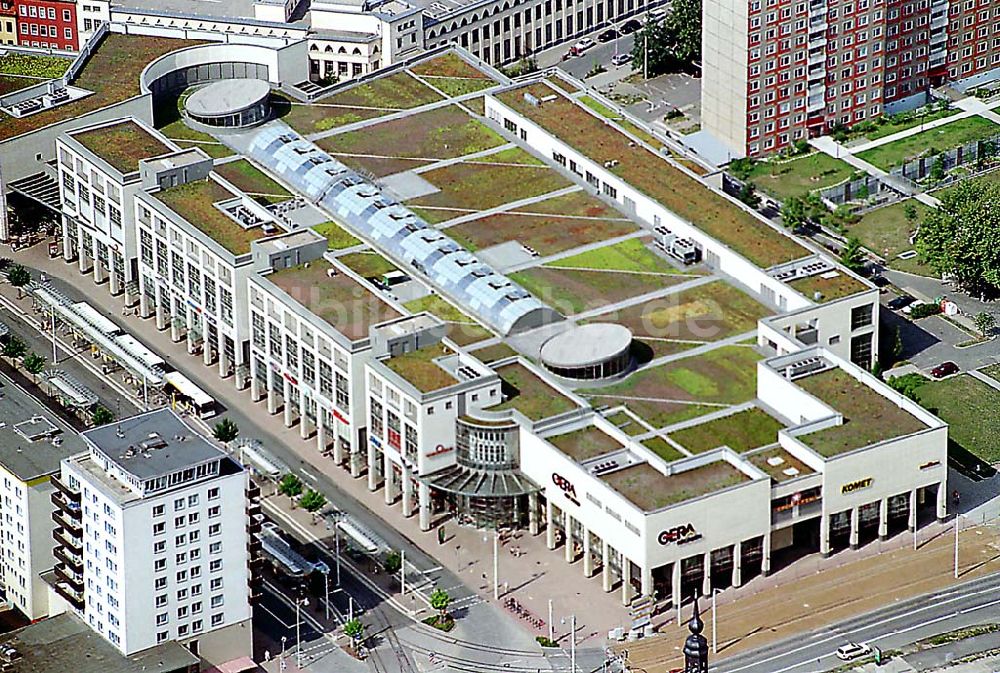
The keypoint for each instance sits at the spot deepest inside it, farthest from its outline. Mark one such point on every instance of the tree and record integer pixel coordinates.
(393, 562)
(794, 212)
(18, 277)
(961, 237)
(290, 485)
(853, 255)
(910, 213)
(985, 322)
(672, 43)
(907, 384)
(14, 348)
(440, 600)
(742, 168)
(748, 195)
(937, 168)
(33, 363)
(101, 416)
(225, 430)
(684, 22)
(312, 500)
(354, 629)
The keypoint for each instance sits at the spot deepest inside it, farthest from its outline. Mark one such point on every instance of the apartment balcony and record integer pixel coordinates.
(938, 23)
(69, 523)
(68, 540)
(70, 558)
(254, 524)
(817, 57)
(70, 575)
(818, 25)
(73, 596)
(815, 103)
(65, 489)
(67, 505)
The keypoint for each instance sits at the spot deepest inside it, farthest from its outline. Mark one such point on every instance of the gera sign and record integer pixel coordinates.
(566, 486)
(679, 535)
(854, 486)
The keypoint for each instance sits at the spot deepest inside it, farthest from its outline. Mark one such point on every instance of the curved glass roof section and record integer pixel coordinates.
(487, 294)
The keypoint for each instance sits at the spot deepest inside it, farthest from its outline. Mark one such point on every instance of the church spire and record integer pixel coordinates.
(696, 645)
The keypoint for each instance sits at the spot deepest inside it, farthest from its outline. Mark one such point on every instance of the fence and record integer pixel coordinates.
(957, 156)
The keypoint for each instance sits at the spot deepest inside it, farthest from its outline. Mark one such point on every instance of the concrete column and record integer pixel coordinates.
(568, 537)
(407, 476)
(254, 382)
(115, 286)
(824, 535)
(765, 561)
(883, 519)
(854, 527)
(706, 579)
(161, 311)
(175, 331)
(67, 249)
(355, 459)
(223, 358)
(627, 591)
(272, 397)
(605, 566)
(942, 501)
(304, 424)
(424, 497)
(912, 521)
(533, 523)
(286, 401)
(588, 558)
(372, 472)
(190, 319)
(738, 564)
(675, 584)
(144, 307)
(550, 531)
(320, 427)
(389, 482)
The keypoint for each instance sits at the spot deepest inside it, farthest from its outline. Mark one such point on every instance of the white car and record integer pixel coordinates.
(621, 59)
(584, 44)
(853, 651)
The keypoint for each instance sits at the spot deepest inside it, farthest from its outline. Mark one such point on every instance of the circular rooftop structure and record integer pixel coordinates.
(588, 352)
(230, 103)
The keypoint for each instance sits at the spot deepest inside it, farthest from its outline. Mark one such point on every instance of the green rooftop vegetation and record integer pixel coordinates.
(741, 432)
(195, 202)
(497, 351)
(337, 238)
(399, 91)
(420, 369)
(828, 288)
(662, 448)
(626, 423)
(931, 142)
(367, 264)
(783, 178)
(448, 64)
(525, 391)
(711, 212)
(112, 73)
(631, 255)
(650, 490)
(622, 121)
(338, 299)
(122, 145)
(582, 445)
(9, 84)
(779, 464)
(869, 417)
(250, 179)
(34, 65)
(886, 231)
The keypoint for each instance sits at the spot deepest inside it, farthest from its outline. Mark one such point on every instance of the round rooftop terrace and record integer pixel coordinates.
(588, 352)
(230, 103)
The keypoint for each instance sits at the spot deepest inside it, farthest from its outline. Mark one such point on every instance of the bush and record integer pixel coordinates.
(290, 485)
(441, 622)
(545, 641)
(741, 169)
(392, 563)
(923, 310)
(907, 384)
(312, 500)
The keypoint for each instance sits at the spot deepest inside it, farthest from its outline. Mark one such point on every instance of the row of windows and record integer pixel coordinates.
(43, 13)
(43, 30)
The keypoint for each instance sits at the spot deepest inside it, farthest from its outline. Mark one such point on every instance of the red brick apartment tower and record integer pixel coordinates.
(973, 38)
(47, 24)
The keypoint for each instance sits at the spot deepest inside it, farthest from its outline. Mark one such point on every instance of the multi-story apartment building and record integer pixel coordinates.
(803, 67)
(32, 443)
(8, 22)
(165, 543)
(49, 24)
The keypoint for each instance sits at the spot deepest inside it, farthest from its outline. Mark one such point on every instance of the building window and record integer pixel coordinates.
(861, 316)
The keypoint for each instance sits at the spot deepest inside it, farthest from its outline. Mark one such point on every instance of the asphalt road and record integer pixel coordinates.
(579, 66)
(891, 627)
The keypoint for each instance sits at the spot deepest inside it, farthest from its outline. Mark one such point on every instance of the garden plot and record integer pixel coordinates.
(248, 178)
(451, 75)
(462, 329)
(545, 234)
(742, 431)
(573, 291)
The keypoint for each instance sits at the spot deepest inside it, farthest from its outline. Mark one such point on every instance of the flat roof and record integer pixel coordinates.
(528, 393)
(603, 142)
(122, 145)
(778, 464)
(64, 643)
(195, 202)
(585, 345)
(869, 417)
(162, 443)
(420, 369)
(828, 286)
(586, 443)
(227, 97)
(649, 489)
(344, 303)
(26, 459)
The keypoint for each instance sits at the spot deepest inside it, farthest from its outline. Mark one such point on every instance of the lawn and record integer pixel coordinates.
(707, 312)
(481, 186)
(168, 121)
(958, 132)
(573, 291)
(307, 119)
(546, 234)
(969, 406)
(721, 377)
(250, 179)
(529, 394)
(462, 329)
(418, 367)
(584, 444)
(194, 201)
(578, 204)
(626, 424)
(662, 448)
(10, 84)
(448, 64)
(889, 124)
(34, 65)
(797, 177)
(444, 133)
(454, 87)
(511, 155)
(399, 91)
(122, 145)
(337, 238)
(741, 432)
(686, 196)
(886, 231)
(630, 255)
(608, 113)
(368, 265)
(495, 352)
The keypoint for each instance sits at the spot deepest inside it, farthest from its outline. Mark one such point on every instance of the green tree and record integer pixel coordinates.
(670, 44)
(961, 237)
(101, 416)
(794, 212)
(393, 562)
(14, 348)
(312, 500)
(225, 430)
(985, 322)
(684, 21)
(741, 169)
(18, 277)
(910, 213)
(290, 485)
(440, 600)
(937, 169)
(987, 150)
(33, 363)
(748, 195)
(907, 384)
(853, 255)
(354, 630)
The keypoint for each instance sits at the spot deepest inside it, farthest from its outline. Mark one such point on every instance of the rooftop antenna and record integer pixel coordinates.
(118, 426)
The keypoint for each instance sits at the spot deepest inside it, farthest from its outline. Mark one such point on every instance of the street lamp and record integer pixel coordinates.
(957, 517)
(715, 642)
(324, 570)
(284, 639)
(572, 642)
(299, 603)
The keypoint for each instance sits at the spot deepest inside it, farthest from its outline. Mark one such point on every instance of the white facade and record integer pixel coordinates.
(26, 541)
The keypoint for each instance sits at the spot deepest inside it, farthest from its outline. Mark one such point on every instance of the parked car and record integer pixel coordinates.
(853, 651)
(629, 27)
(902, 301)
(880, 281)
(621, 59)
(608, 35)
(657, 15)
(908, 309)
(944, 369)
(584, 44)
